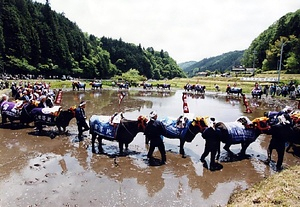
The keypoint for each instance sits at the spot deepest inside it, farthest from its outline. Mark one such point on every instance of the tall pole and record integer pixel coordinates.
(254, 52)
(280, 61)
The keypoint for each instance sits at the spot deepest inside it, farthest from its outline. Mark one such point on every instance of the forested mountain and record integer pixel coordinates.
(186, 64)
(265, 50)
(36, 40)
(219, 63)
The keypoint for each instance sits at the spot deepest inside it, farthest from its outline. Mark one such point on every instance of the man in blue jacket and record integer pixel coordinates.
(81, 120)
(153, 132)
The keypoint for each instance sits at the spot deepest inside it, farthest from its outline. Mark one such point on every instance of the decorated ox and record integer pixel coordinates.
(123, 132)
(233, 90)
(77, 85)
(14, 111)
(147, 86)
(96, 85)
(243, 131)
(54, 116)
(189, 87)
(256, 93)
(293, 137)
(183, 129)
(199, 88)
(164, 86)
(123, 85)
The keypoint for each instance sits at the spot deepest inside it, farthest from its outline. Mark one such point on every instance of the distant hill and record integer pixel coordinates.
(265, 50)
(186, 64)
(219, 63)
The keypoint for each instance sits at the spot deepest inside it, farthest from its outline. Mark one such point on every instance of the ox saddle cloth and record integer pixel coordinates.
(103, 126)
(238, 133)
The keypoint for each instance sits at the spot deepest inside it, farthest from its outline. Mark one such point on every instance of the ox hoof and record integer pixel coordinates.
(52, 135)
(215, 166)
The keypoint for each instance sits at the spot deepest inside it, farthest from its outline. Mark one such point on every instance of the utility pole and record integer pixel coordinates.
(254, 52)
(280, 61)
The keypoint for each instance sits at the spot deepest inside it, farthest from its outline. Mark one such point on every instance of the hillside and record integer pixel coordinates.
(281, 37)
(36, 40)
(219, 63)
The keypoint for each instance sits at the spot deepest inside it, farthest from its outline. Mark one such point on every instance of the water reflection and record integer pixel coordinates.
(70, 169)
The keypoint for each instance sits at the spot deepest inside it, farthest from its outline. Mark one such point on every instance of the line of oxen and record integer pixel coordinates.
(77, 85)
(242, 131)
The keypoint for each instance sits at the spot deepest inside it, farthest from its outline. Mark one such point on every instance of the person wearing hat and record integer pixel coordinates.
(153, 132)
(42, 103)
(4, 99)
(81, 120)
(280, 133)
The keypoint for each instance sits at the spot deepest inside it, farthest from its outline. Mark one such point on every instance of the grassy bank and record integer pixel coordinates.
(281, 189)
(179, 83)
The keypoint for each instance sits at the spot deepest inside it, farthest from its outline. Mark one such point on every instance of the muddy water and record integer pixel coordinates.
(38, 171)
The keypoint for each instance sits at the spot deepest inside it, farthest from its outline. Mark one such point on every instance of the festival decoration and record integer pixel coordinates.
(121, 97)
(185, 105)
(58, 97)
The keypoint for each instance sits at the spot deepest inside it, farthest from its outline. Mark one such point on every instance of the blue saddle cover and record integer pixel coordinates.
(102, 126)
(172, 131)
(238, 133)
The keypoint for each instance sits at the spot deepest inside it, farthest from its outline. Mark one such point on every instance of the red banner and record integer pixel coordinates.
(58, 97)
(121, 97)
(185, 105)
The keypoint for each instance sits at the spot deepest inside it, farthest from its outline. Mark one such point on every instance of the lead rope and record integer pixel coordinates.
(126, 128)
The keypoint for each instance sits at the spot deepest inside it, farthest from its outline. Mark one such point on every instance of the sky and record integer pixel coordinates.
(189, 30)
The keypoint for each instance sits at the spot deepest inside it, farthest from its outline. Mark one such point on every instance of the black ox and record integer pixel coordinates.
(52, 117)
(77, 85)
(124, 132)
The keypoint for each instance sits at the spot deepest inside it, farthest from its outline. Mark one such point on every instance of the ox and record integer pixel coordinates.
(54, 116)
(123, 85)
(124, 132)
(292, 137)
(183, 129)
(256, 93)
(234, 90)
(77, 85)
(164, 86)
(243, 131)
(188, 87)
(199, 88)
(147, 86)
(96, 85)
(17, 111)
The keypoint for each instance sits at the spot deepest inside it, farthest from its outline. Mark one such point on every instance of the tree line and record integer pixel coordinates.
(264, 53)
(37, 40)
(282, 37)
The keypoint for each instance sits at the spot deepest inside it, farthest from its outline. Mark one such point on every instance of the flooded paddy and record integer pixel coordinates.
(39, 171)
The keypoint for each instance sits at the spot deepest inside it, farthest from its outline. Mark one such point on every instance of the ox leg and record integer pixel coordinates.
(181, 150)
(244, 148)
(100, 148)
(93, 142)
(289, 146)
(121, 148)
(39, 127)
(3, 119)
(269, 155)
(226, 147)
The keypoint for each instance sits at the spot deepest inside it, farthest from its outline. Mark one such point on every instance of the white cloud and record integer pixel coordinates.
(188, 30)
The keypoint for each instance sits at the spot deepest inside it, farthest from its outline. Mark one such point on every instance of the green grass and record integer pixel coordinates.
(178, 83)
(281, 189)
